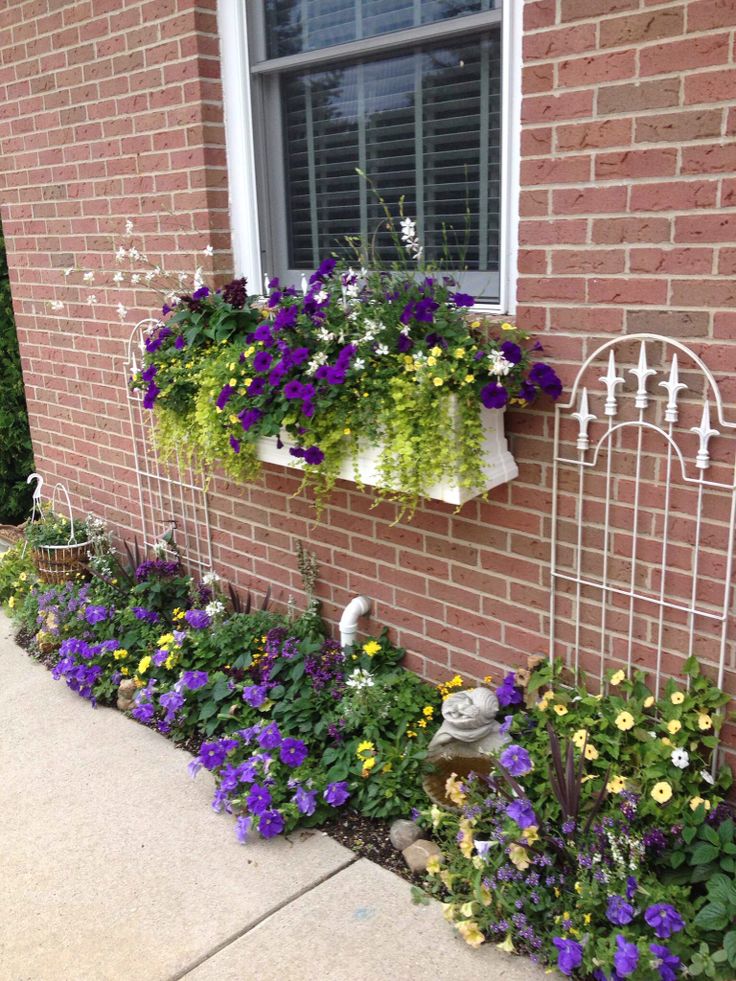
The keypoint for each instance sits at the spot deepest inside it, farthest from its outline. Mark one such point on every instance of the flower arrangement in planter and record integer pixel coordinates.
(393, 360)
(590, 846)
(59, 546)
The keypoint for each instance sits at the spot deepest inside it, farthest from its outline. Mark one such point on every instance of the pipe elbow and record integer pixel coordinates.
(358, 607)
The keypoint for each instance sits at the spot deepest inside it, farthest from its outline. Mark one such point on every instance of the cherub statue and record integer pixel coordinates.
(469, 718)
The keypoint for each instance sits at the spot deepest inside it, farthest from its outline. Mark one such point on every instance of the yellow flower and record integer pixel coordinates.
(579, 738)
(507, 326)
(124, 671)
(586, 918)
(549, 695)
(170, 661)
(469, 379)
(428, 711)
(578, 887)
(470, 933)
(543, 705)
(437, 381)
(454, 790)
(139, 682)
(459, 352)
(507, 946)
(519, 857)
(368, 765)
(560, 709)
(466, 845)
(531, 834)
(433, 864)
(648, 702)
(704, 721)
(591, 753)
(695, 803)
(436, 814)
(431, 362)
(616, 785)
(11, 602)
(662, 792)
(674, 726)
(365, 747)
(677, 698)
(422, 723)
(618, 677)
(411, 734)
(448, 911)
(346, 431)
(23, 576)
(144, 664)
(666, 741)
(436, 351)
(624, 721)
(371, 647)
(120, 654)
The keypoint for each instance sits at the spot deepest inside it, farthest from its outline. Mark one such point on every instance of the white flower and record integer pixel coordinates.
(381, 350)
(181, 276)
(160, 548)
(208, 250)
(321, 297)
(707, 777)
(210, 578)
(128, 227)
(149, 275)
(134, 253)
(68, 272)
(680, 757)
(359, 364)
(305, 285)
(89, 277)
(214, 609)
(120, 254)
(135, 278)
(499, 364)
(409, 238)
(359, 679)
(198, 277)
(91, 300)
(122, 311)
(118, 277)
(57, 305)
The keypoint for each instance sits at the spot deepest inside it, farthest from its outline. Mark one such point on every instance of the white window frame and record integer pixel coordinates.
(241, 157)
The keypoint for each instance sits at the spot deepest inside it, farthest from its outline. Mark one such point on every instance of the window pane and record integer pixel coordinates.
(425, 125)
(304, 25)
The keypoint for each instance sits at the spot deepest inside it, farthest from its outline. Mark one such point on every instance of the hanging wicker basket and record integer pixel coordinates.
(57, 564)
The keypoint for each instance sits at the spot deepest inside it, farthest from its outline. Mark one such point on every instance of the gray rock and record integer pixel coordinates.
(418, 854)
(404, 833)
(126, 693)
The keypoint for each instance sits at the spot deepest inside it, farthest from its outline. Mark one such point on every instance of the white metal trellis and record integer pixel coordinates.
(170, 496)
(603, 551)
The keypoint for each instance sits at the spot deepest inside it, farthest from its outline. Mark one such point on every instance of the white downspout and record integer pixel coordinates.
(356, 608)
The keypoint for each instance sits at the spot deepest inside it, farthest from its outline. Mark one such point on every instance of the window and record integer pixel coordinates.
(408, 92)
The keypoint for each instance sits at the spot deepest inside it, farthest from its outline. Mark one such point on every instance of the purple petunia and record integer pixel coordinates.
(235, 444)
(666, 962)
(511, 351)
(172, 701)
(148, 616)
(262, 361)
(271, 823)
(242, 828)
(293, 752)
(626, 957)
(336, 793)
(507, 692)
(249, 417)
(516, 760)
(143, 712)
(619, 912)
(462, 299)
(194, 679)
(494, 396)
(631, 887)
(305, 800)
(152, 393)
(270, 737)
(255, 695)
(569, 955)
(226, 393)
(522, 812)
(212, 754)
(95, 614)
(197, 619)
(324, 271)
(259, 799)
(313, 456)
(664, 920)
(293, 389)
(546, 378)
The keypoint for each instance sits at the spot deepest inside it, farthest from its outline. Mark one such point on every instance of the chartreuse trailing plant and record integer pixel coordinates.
(590, 847)
(355, 356)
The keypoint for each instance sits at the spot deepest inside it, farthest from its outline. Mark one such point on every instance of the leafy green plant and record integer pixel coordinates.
(16, 459)
(55, 529)
(702, 850)
(17, 574)
(716, 921)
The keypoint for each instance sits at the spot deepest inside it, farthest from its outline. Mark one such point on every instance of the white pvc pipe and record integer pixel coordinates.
(358, 607)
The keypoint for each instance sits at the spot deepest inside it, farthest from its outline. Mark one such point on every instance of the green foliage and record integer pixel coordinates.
(16, 453)
(716, 922)
(55, 529)
(17, 573)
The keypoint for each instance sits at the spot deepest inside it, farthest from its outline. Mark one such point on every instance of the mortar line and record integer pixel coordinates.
(261, 919)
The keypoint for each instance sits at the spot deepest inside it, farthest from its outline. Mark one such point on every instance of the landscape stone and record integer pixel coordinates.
(419, 853)
(404, 833)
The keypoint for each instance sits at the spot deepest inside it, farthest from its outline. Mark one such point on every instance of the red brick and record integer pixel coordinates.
(586, 136)
(636, 163)
(552, 232)
(694, 52)
(589, 200)
(703, 293)
(673, 195)
(707, 15)
(709, 159)
(565, 170)
(551, 108)
(727, 262)
(533, 261)
(609, 67)
(588, 320)
(552, 44)
(551, 288)
(538, 14)
(637, 96)
(678, 127)
(710, 87)
(536, 141)
(533, 203)
(720, 227)
(638, 28)
(628, 291)
(583, 9)
(614, 231)
(538, 78)
(677, 261)
(669, 323)
(598, 261)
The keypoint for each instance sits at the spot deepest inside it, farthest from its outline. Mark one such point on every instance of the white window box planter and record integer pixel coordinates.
(499, 465)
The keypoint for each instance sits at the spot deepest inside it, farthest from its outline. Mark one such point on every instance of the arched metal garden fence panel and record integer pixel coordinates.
(643, 513)
(172, 497)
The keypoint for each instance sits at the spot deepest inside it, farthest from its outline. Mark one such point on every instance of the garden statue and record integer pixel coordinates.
(464, 741)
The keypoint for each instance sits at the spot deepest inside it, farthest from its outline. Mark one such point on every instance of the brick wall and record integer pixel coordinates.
(627, 224)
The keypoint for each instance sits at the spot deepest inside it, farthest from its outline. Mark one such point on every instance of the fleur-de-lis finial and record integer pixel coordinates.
(611, 380)
(584, 417)
(704, 433)
(673, 387)
(642, 372)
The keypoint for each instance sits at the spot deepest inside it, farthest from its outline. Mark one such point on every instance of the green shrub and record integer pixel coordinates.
(16, 457)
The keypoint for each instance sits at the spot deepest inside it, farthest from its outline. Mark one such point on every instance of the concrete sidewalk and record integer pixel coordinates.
(113, 866)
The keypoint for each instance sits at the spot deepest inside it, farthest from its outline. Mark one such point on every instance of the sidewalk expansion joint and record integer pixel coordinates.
(261, 919)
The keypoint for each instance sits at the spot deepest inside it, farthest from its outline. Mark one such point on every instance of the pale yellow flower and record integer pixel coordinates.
(674, 726)
(677, 698)
(579, 738)
(591, 753)
(519, 857)
(648, 702)
(560, 709)
(437, 381)
(453, 789)
(616, 785)
(662, 792)
(618, 677)
(704, 721)
(470, 933)
(624, 721)
(695, 803)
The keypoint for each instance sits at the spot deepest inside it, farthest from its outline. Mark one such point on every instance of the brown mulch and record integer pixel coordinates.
(368, 838)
